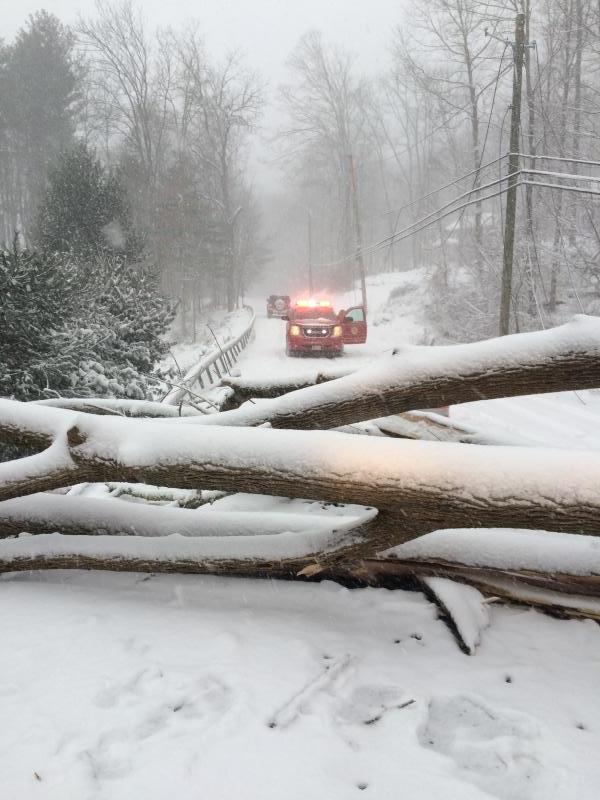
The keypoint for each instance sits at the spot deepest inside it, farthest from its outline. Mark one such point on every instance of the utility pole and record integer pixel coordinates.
(357, 231)
(310, 275)
(513, 166)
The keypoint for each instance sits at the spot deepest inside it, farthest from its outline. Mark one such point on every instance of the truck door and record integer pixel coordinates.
(354, 326)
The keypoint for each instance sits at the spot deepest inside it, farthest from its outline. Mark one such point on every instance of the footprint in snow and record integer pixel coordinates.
(154, 705)
(499, 750)
(367, 704)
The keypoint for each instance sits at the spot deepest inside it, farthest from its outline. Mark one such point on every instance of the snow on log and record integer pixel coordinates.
(120, 407)
(428, 485)
(27, 423)
(76, 515)
(53, 468)
(247, 388)
(463, 608)
(558, 603)
(506, 549)
(281, 555)
(534, 559)
(558, 359)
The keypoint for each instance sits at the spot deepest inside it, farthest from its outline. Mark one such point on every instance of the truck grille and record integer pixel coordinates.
(316, 331)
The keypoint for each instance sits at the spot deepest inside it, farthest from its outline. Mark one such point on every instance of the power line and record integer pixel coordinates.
(425, 222)
(561, 158)
(460, 197)
(568, 175)
(401, 235)
(564, 188)
(447, 185)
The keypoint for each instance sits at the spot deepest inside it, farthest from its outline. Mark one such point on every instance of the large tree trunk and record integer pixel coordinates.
(558, 359)
(277, 556)
(555, 360)
(426, 485)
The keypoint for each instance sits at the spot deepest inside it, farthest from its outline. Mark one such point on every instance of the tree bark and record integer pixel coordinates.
(426, 485)
(563, 595)
(115, 553)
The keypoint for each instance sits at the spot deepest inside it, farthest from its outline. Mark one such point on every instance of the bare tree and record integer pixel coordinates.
(327, 111)
(222, 105)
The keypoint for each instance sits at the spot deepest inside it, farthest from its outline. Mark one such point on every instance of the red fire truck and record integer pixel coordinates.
(313, 327)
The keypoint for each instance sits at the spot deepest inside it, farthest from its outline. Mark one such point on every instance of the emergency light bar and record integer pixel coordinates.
(313, 303)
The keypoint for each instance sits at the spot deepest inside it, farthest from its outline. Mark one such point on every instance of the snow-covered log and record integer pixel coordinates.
(463, 608)
(95, 516)
(51, 469)
(537, 559)
(558, 359)
(245, 388)
(427, 485)
(119, 407)
(274, 555)
(28, 424)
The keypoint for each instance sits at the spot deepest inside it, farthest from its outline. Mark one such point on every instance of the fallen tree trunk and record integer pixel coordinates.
(281, 555)
(244, 388)
(374, 570)
(99, 516)
(119, 407)
(426, 485)
(124, 554)
(51, 469)
(558, 359)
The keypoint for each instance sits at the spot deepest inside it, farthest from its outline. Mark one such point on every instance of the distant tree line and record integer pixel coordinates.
(123, 196)
(155, 110)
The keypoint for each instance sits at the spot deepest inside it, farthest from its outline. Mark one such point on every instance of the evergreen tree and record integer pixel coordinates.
(40, 80)
(85, 210)
(37, 296)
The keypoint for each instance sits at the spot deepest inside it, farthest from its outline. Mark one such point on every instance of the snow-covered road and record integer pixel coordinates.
(265, 357)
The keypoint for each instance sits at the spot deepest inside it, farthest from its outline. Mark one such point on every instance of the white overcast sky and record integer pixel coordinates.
(264, 30)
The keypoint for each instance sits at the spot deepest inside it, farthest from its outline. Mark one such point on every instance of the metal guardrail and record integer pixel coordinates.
(210, 369)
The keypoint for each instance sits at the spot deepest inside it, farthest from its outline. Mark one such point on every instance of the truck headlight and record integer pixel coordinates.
(337, 330)
(295, 330)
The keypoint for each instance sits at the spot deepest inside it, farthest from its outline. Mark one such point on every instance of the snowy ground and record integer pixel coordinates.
(124, 686)
(569, 419)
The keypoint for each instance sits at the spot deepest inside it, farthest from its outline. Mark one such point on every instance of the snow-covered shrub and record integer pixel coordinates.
(94, 328)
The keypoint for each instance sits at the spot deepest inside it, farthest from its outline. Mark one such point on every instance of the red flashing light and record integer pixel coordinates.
(313, 303)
